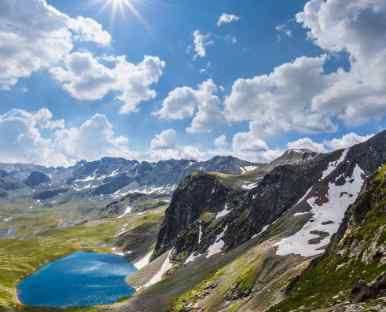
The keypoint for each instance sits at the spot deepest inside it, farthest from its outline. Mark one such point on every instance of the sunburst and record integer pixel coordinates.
(121, 7)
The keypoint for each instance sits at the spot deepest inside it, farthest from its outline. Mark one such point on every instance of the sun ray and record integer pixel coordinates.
(120, 7)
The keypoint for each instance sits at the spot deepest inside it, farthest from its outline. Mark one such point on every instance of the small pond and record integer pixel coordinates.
(78, 280)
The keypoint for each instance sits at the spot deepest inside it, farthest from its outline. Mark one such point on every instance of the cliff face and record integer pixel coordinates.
(198, 197)
(352, 273)
(231, 248)
(204, 211)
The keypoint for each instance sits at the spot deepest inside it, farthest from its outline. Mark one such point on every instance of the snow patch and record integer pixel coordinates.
(326, 218)
(117, 252)
(249, 186)
(193, 257)
(304, 196)
(262, 231)
(218, 244)
(127, 211)
(301, 213)
(247, 168)
(140, 264)
(199, 234)
(334, 164)
(224, 212)
(166, 266)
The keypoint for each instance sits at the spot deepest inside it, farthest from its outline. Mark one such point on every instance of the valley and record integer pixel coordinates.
(224, 240)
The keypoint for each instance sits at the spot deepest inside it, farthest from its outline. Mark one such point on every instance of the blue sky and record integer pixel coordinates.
(264, 36)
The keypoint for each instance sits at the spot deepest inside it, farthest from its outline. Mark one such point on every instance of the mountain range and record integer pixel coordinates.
(230, 248)
(306, 232)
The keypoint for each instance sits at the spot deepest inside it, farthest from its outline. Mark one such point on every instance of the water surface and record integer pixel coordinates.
(79, 280)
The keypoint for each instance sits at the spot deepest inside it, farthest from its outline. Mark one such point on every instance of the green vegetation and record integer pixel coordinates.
(244, 283)
(192, 296)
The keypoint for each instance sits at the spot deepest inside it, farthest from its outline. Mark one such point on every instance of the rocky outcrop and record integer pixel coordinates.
(138, 202)
(292, 157)
(198, 218)
(198, 197)
(363, 291)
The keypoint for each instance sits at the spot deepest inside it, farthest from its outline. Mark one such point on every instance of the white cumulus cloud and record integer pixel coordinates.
(35, 36)
(36, 137)
(227, 19)
(302, 96)
(200, 43)
(221, 141)
(87, 78)
(203, 104)
(166, 139)
(164, 147)
(308, 144)
(281, 101)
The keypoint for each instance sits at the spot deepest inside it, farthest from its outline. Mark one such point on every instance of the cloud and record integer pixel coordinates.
(281, 101)
(200, 42)
(87, 29)
(248, 146)
(35, 137)
(164, 147)
(165, 140)
(94, 139)
(221, 141)
(227, 19)
(301, 96)
(203, 103)
(343, 142)
(346, 141)
(358, 29)
(87, 78)
(35, 36)
(283, 29)
(308, 144)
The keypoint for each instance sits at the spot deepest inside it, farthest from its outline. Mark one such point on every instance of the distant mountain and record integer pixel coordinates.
(108, 176)
(36, 178)
(295, 156)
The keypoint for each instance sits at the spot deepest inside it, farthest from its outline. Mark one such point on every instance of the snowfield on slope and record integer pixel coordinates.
(166, 266)
(218, 244)
(334, 164)
(140, 264)
(224, 212)
(326, 218)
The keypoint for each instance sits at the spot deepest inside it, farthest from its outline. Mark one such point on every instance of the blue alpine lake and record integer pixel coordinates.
(78, 280)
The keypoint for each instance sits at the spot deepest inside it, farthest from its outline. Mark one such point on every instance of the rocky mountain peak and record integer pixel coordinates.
(295, 156)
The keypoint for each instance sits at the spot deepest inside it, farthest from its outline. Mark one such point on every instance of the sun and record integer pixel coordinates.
(121, 7)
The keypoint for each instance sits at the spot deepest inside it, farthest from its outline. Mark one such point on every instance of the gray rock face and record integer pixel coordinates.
(137, 201)
(292, 157)
(197, 194)
(251, 210)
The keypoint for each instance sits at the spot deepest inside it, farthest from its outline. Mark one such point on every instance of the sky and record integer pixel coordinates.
(162, 79)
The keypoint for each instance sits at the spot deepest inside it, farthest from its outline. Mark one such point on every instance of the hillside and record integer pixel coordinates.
(227, 249)
(352, 273)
